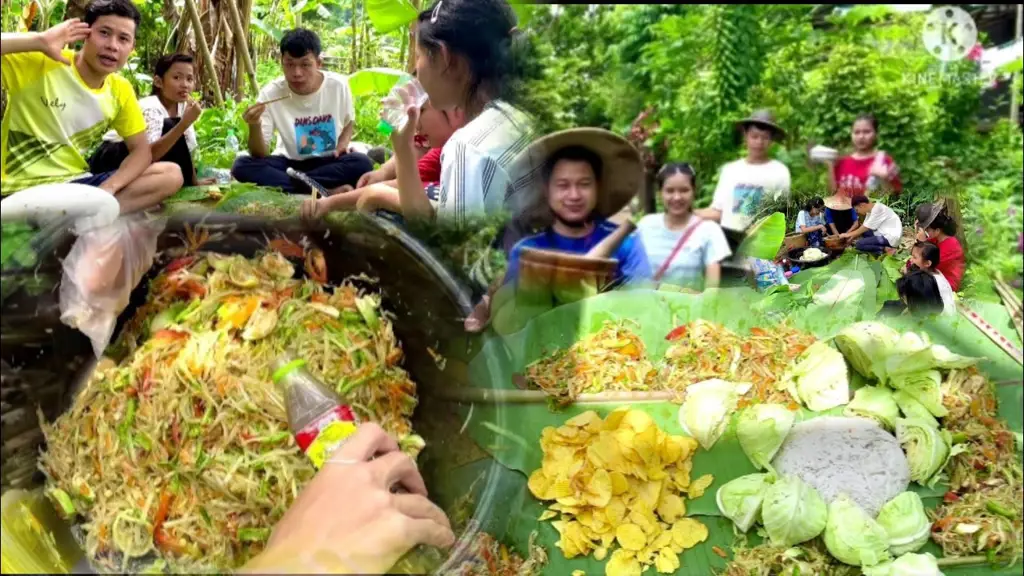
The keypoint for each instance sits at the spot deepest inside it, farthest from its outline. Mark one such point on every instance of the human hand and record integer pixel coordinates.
(879, 170)
(921, 235)
(312, 210)
(405, 139)
(53, 41)
(372, 177)
(193, 110)
(341, 149)
(253, 114)
(351, 519)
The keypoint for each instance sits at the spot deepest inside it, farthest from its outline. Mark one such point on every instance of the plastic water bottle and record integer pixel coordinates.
(232, 141)
(322, 421)
(393, 116)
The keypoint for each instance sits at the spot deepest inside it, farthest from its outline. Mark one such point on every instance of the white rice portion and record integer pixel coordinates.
(839, 455)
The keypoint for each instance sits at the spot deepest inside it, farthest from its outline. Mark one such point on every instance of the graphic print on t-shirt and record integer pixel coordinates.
(315, 134)
(746, 198)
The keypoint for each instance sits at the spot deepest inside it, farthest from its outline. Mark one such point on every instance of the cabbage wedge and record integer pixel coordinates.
(853, 537)
(792, 512)
(907, 565)
(912, 409)
(905, 523)
(925, 387)
(876, 403)
(761, 430)
(863, 342)
(706, 407)
(819, 378)
(928, 449)
(740, 500)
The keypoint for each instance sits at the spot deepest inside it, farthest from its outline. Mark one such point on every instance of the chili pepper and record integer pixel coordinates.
(676, 334)
(950, 497)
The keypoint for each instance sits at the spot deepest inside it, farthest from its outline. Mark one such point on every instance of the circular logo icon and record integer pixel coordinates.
(949, 33)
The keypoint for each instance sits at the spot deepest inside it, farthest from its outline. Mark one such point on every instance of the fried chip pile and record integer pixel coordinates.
(620, 481)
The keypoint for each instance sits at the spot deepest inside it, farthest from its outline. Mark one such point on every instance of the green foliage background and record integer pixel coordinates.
(698, 68)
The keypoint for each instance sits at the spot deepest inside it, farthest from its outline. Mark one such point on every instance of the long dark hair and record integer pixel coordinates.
(921, 292)
(483, 32)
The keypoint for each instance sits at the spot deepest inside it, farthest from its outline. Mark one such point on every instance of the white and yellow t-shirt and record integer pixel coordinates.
(54, 121)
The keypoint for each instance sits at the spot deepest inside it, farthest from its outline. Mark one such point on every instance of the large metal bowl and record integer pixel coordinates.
(42, 358)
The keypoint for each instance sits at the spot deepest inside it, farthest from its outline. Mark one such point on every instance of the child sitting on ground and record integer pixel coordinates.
(811, 223)
(436, 127)
(923, 288)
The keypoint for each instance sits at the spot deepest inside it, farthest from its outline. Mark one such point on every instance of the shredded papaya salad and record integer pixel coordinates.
(179, 456)
(489, 557)
(612, 359)
(983, 510)
(703, 350)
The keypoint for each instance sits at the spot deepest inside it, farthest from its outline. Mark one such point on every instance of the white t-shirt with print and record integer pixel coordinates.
(742, 187)
(477, 172)
(705, 246)
(154, 113)
(307, 125)
(884, 222)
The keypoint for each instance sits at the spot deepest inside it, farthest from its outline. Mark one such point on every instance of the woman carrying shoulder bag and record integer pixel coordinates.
(682, 248)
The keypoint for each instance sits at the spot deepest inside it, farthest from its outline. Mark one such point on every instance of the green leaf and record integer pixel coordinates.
(373, 81)
(764, 238)
(1011, 67)
(390, 15)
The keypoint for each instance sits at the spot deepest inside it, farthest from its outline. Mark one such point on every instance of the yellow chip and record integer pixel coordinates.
(599, 489)
(579, 573)
(638, 420)
(688, 532)
(619, 483)
(666, 562)
(630, 537)
(547, 515)
(601, 553)
(622, 563)
(671, 507)
(698, 486)
(588, 420)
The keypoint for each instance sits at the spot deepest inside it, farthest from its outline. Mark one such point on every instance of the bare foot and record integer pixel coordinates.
(890, 251)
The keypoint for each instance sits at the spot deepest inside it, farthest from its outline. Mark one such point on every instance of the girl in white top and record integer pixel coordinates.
(681, 247)
(464, 58)
(173, 83)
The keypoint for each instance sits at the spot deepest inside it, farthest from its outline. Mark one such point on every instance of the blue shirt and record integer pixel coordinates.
(805, 220)
(631, 255)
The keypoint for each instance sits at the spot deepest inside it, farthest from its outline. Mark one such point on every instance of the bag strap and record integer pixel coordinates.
(678, 247)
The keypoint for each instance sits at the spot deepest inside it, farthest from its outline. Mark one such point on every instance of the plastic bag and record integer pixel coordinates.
(101, 271)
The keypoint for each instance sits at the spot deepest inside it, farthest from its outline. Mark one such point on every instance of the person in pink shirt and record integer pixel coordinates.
(866, 171)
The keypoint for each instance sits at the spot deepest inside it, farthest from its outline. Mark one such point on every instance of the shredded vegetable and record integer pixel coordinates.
(703, 350)
(767, 560)
(181, 452)
(983, 510)
(488, 557)
(613, 358)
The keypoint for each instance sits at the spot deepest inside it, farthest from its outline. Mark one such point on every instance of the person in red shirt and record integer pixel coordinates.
(378, 190)
(867, 171)
(934, 225)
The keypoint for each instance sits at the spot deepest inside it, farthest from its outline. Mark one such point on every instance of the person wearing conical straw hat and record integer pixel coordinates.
(588, 175)
(584, 178)
(745, 183)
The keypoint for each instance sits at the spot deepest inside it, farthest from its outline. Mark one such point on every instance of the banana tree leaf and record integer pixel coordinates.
(524, 11)
(373, 81)
(515, 443)
(764, 238)
(389, 15)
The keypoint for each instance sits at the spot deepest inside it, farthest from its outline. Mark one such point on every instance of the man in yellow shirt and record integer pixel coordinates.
(61, 103)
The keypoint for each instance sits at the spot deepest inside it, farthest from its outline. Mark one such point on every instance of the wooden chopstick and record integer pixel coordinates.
(271, 101)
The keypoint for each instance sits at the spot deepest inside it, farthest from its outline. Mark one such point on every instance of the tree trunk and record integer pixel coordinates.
(204, 52)
(355, 38)
(75, 9)
(241, 46)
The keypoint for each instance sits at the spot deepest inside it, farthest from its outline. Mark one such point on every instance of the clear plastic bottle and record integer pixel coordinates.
(319, 418)
(321, 423)
(393, 115)
(231, 141)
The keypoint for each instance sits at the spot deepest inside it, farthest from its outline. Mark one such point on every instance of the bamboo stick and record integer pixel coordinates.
(204, 51)
(242, 45)
(1012, 305)
(988, 330)
(488, 396)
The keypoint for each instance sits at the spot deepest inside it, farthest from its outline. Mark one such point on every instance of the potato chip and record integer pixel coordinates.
(688, 532)
(666, 562)
(698, 486)
(630, 537)
(622, 563)
(579, 573)
(623, 481)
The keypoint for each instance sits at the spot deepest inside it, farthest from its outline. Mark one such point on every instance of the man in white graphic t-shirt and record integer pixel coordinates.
(313, 114)
(743, 185)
